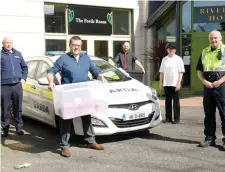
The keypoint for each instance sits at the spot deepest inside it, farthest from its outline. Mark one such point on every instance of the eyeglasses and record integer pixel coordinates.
(75, 45)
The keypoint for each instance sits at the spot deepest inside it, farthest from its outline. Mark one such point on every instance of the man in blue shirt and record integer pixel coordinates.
(13, 73)
(74, 68)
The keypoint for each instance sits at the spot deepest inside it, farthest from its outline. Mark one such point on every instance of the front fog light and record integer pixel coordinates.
(97, 122)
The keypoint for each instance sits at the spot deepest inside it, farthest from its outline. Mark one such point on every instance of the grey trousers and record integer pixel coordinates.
(65, 129)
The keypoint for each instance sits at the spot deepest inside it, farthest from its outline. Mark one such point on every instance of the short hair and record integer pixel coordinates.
(126, 42)
(75, 38)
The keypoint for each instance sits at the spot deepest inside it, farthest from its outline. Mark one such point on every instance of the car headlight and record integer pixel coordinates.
(153, 95)
(97, 122)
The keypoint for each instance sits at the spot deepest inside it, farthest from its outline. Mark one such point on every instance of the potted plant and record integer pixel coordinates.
(154, 55)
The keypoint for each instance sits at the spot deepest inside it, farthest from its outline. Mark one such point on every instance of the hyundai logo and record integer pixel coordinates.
(133, 107)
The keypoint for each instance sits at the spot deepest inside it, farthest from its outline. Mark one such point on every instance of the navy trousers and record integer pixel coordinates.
(14, 93)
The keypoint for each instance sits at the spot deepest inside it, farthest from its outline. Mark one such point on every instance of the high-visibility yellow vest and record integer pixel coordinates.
(210, 60)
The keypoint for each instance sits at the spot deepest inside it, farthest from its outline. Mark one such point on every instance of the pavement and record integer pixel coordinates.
(165, 148)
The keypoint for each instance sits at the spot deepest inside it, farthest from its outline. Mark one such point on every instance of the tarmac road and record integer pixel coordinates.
(167, 148)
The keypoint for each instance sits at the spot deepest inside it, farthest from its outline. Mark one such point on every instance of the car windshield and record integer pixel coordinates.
(111, 73)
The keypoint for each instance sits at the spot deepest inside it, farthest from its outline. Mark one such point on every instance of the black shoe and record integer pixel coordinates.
(5, 132)
(175, 122)
(208, 142)
(20, 132)
(166, 121)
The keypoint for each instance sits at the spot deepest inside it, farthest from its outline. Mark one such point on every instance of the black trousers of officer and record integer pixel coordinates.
(172, 94)
(12, 92)
(214, 97)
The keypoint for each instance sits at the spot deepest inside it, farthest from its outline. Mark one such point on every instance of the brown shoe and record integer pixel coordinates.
(65, 152)
(96, 146)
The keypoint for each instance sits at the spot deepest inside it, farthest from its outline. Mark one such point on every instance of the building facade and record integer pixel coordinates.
(42, 26)
(186, 23)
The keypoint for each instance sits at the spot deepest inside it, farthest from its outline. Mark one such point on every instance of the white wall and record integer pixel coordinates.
(23, 20)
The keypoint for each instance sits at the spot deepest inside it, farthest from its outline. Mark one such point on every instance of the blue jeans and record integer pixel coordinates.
(65, 129)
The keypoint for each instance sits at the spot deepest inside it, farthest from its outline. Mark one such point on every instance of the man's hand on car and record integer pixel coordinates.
(51, 86)
(101, 78)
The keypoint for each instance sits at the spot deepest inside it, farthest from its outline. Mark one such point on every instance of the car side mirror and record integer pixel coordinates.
(43, 81)
(127, 74)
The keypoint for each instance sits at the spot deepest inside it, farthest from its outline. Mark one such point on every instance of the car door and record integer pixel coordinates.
(44, 103)
(27, 90)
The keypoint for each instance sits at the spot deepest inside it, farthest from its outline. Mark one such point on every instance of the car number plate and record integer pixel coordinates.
(133, 116)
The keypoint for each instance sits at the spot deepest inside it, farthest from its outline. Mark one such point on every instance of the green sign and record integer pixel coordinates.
(212, 14)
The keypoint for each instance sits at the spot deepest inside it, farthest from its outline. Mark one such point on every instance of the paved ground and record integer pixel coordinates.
(167, 148)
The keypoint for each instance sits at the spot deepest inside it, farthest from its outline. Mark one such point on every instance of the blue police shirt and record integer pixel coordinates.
(73, 71)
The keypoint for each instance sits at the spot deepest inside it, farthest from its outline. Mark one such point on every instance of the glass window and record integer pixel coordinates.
(101, 48)
(55, 45)
(54, 18)
(186, 17)
(32, 66)
(117, 47)
(168, 30)
(42, 70)
(110, 73)
(84, 45)
(209, 15)
(121, 22)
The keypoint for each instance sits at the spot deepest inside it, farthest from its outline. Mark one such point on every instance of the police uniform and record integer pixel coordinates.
(212, 64)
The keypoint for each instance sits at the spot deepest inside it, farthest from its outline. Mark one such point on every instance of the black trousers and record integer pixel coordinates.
(172, 94)
(12, 92)
(212, 98)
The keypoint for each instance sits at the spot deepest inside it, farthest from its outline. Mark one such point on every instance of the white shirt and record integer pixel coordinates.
(171, 67)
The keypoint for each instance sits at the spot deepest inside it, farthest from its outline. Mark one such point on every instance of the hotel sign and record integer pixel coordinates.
(212, 14)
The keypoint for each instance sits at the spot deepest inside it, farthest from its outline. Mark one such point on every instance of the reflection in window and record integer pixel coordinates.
(208, 27)
(42, 70)
(120, 22)
(101, 48)
(168, 31)
(54, 19)
(55, 45)
(32, 65)
(186, 17)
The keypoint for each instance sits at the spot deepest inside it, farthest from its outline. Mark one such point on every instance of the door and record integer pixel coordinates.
(43, 105)
(27, 88)
(200, 41)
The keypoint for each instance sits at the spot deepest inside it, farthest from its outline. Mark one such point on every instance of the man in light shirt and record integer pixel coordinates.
(171, 73)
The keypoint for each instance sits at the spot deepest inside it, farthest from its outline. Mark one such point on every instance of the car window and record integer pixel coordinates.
(32, 66)
(42, 70)
(110, 72)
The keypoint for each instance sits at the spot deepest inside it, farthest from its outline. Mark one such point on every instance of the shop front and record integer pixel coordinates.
(188, 24)
(102, 29)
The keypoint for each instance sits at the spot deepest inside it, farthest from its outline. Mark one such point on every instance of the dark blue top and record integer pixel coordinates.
(13, 67)
(73, 72)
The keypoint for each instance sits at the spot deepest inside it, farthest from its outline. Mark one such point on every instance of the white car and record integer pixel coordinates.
(139, 110)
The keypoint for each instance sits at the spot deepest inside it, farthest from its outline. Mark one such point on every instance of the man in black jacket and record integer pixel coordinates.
(13, 73)
(126, 59)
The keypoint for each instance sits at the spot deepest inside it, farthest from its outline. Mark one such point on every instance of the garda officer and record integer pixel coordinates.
(13, 72)
(211, 71)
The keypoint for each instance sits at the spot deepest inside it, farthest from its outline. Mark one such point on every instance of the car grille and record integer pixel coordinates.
(132, 123)
(126, 106)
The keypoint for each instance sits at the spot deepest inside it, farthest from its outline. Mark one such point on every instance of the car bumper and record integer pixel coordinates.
(110, 126)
